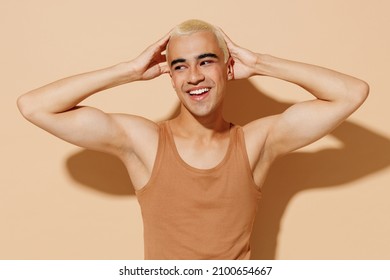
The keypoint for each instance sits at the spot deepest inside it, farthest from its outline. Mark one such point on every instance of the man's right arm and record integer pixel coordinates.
(54, 107)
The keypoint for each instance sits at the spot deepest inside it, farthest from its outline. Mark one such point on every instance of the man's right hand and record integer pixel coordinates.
(151, 63)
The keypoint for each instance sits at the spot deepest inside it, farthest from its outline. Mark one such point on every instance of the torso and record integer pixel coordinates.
(140, 162)
(199, 204)
(200, 154)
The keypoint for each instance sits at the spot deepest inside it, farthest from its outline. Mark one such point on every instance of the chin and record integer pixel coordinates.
(203, 113)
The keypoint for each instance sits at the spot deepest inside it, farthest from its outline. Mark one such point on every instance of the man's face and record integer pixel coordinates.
(198, 72)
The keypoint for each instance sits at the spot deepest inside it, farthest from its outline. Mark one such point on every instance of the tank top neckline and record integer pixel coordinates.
(182, 162)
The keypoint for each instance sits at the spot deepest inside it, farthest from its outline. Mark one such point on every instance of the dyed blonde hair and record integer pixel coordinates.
(191, 26)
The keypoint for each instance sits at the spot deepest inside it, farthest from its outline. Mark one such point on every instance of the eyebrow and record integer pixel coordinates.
(201, 56)
(176, 61)
(205, 55)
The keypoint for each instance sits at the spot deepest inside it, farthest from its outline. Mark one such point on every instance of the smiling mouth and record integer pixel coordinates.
(198, 92)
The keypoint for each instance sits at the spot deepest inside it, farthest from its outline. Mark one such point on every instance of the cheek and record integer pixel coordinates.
(178, 80)
(174, 81)
(219, 73)
(219, 77)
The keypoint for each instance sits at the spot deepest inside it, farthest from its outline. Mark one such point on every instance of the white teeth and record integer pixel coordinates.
(199, 91)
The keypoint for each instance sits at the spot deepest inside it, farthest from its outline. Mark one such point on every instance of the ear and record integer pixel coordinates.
(230, 68)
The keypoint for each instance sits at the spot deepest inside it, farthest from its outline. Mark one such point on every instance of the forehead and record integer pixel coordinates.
(190, 46)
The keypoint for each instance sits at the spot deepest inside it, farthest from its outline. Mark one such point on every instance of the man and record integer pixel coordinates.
(197, 177)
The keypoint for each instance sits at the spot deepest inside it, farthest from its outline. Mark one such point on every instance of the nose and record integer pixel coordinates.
(195, 76)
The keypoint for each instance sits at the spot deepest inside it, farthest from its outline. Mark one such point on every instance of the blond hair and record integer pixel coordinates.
(191, 26)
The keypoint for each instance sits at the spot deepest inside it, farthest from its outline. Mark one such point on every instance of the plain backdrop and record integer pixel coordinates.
(326, 201)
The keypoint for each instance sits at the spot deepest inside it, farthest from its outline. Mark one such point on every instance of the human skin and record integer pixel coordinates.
(200, 132)
(199, 65)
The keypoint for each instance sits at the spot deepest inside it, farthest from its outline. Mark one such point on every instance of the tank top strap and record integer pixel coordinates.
(166, 138)
(171, 149)
(239, 137)
(236, 137)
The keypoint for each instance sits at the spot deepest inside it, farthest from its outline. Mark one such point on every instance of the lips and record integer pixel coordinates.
(198, 93)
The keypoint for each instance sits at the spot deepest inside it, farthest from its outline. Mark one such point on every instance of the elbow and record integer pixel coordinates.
(21, 104)
(359, 93)
(25, 106)
(362, 91)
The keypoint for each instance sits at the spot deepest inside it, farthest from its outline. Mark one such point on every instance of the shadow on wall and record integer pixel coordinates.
(363, 152)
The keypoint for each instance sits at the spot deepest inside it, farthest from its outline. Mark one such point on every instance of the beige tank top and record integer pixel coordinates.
(191, 213)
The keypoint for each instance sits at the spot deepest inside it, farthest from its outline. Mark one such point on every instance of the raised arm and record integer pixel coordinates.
(336, 97)
(54, 107)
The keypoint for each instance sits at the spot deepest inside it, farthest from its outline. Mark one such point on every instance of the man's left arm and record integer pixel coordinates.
(336, 95)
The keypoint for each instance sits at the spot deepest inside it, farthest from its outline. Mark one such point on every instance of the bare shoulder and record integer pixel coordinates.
(140, 150)
(260, 156)
(140, 133)
(256, 134)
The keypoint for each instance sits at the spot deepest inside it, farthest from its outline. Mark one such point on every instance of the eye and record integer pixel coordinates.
(206, 62)
(179, 67)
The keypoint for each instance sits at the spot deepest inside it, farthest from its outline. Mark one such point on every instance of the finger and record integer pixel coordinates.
(162, 43)
(159, 46)
(226, 37)
(164, 69)
(160, 58)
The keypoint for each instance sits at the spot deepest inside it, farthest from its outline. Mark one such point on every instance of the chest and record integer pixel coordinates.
(199, 154)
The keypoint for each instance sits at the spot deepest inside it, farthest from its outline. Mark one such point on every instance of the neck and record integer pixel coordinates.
(202, 127)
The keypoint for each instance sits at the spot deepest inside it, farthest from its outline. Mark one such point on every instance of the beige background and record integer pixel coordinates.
(327, 201)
